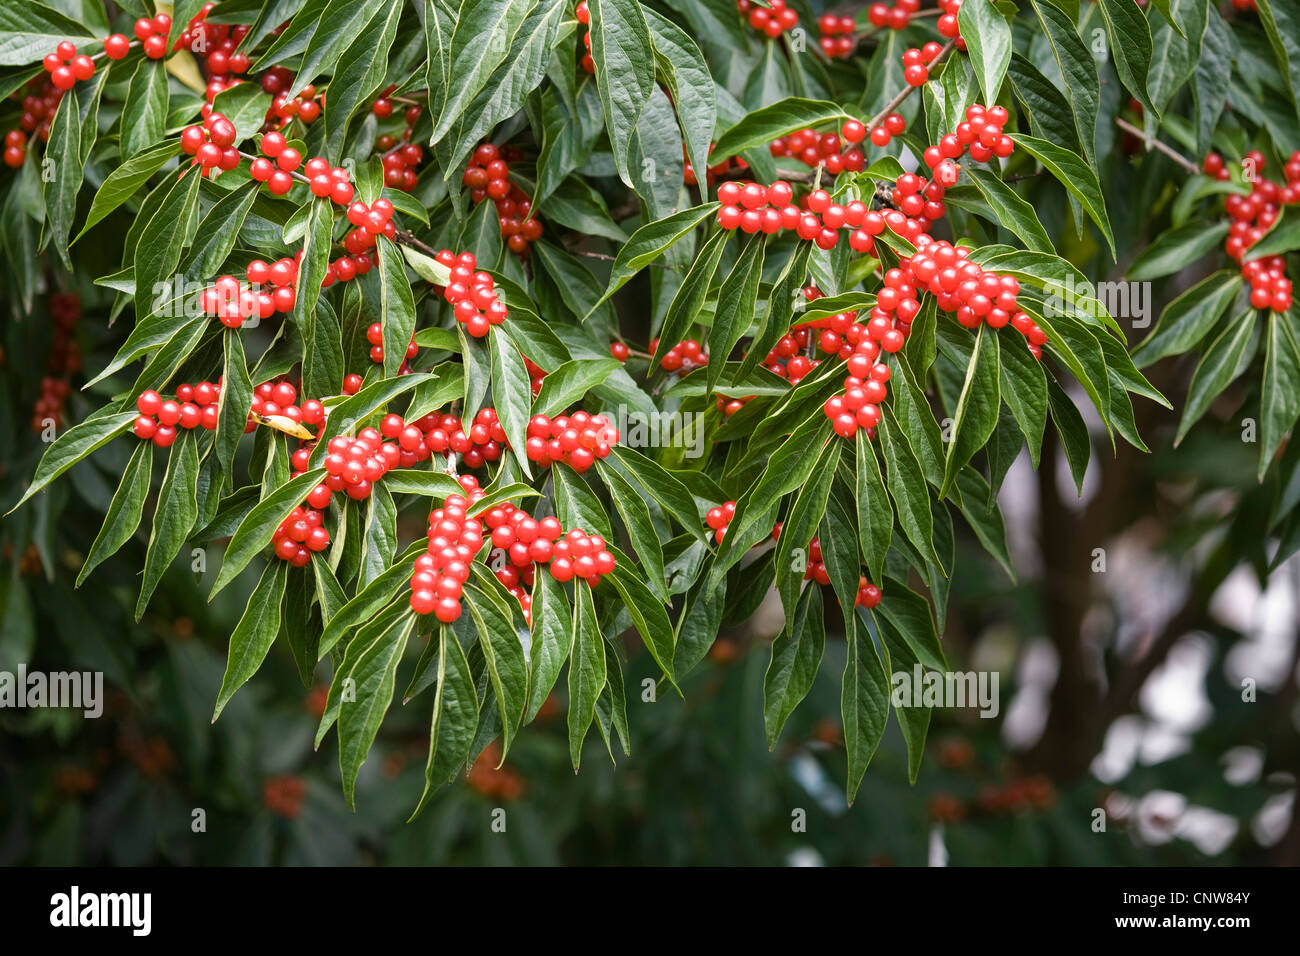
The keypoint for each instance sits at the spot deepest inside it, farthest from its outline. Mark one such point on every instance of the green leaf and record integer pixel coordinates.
(429, 484)
(1013, 211)
(124, 511)
(1189, 318)
(550, 641)
(369, 600)
(864, 703)
(121, 184)
(735, 310)
(78, 442)
(29, 30)
(1283, 236)
(507, 668)
(988, 41)
(1280, 398)
(1212, 78)
(178, 509)
(1024, 388)
(359, 74)
(691, 295)
(144, 111)
(781, 118)
(1176, 249)
(906, 483)
(1219, 365)
(255, 632)
(455, 716)
(1074, 174)
(1078, 68)
(567, 383)
(586, 670)
(909, 613)
(219, 231)
(796, 656)
(685, 72)
(1281, 20)
(372, 671)
(976, 414)
(245, 105)
(235, 402)
(510, 392)
(256, 530)
(640, 529)
(661, 485)
(648, 614)
(623, 53)
(875, 513)
(1072, 429)
(800, 528)
(163, 236)
(1130, 47)
(913, 720)
(650, 242)
(340, 23)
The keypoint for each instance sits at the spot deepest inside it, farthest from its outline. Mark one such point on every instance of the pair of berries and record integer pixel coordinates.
(584, 17)
(947, 24)
(194, 406)
(682, 357)
(153, 35)
(896, 17)
(299, 535)
(347, 268)
(729, 406)
(437, 583)
(66, 66)
(488, 177)
(577, 440)
(375, 336)
(719, 519)
(821, 149)
(916, 63)
(15, 148)
(890, 126)
(837, 40)
(280, 399)
(773, 20)
(49, 407)
(305, 106)
(472, 294)
(354, 465)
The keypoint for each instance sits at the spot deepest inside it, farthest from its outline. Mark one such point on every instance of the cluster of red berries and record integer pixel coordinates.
(279, 398)
(837, 40)
(577, 440)
(233, 302)
(217, 42)
(584, 17)
(838, 334)
(864, 389)
(785, 359)
(353, 465)
(713, 172)
(40, 102)
(773, 20)
(916, 63)
(375, 336)
(484, 440)
(719, 519)
(322, 179)
(399, 165)
(371, 222)
(896, 17)
(980, 133)
(194, 406)
(153, 35)
(472, 294)
(488, 177)
(441, 572)
(64, 360)
(66, 66)
(754, 208)
(1251, 217)
(212, 144)
(825, 149)
(306, 106)
(347, 268)
(947, 23)
(299, 535)
(283, 795)
(525, 541)
(683, 357)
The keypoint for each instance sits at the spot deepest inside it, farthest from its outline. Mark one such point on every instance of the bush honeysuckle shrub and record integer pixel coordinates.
(485, 340)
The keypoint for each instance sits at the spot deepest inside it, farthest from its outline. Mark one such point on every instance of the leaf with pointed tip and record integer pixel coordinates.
(551, 641)
(255, 632)
(623, 52)
(144, 110)
(650, 242)
(864, 702)
(1219, 365)
(1189, 318)
(455, 716)
(505, 659)
(124, 511)
(256, 530)
(987, 36)
(178, 510)
(875, 513)
(78, 442)
(1075, 175)
(586, 670)
(1280, 397)
(796, 656)
(976, 414)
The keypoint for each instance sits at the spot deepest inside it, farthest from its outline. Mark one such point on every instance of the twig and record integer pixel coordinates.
(1153, 143)
(907, 91)
(404, 238)
(607, 258)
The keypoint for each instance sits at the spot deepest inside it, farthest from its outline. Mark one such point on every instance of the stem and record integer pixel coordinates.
(1153, 143)
(607, 258)
(907, 91)
(404, 238)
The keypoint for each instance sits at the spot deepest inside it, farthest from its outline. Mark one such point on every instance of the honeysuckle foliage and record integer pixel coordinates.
(610, 153)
